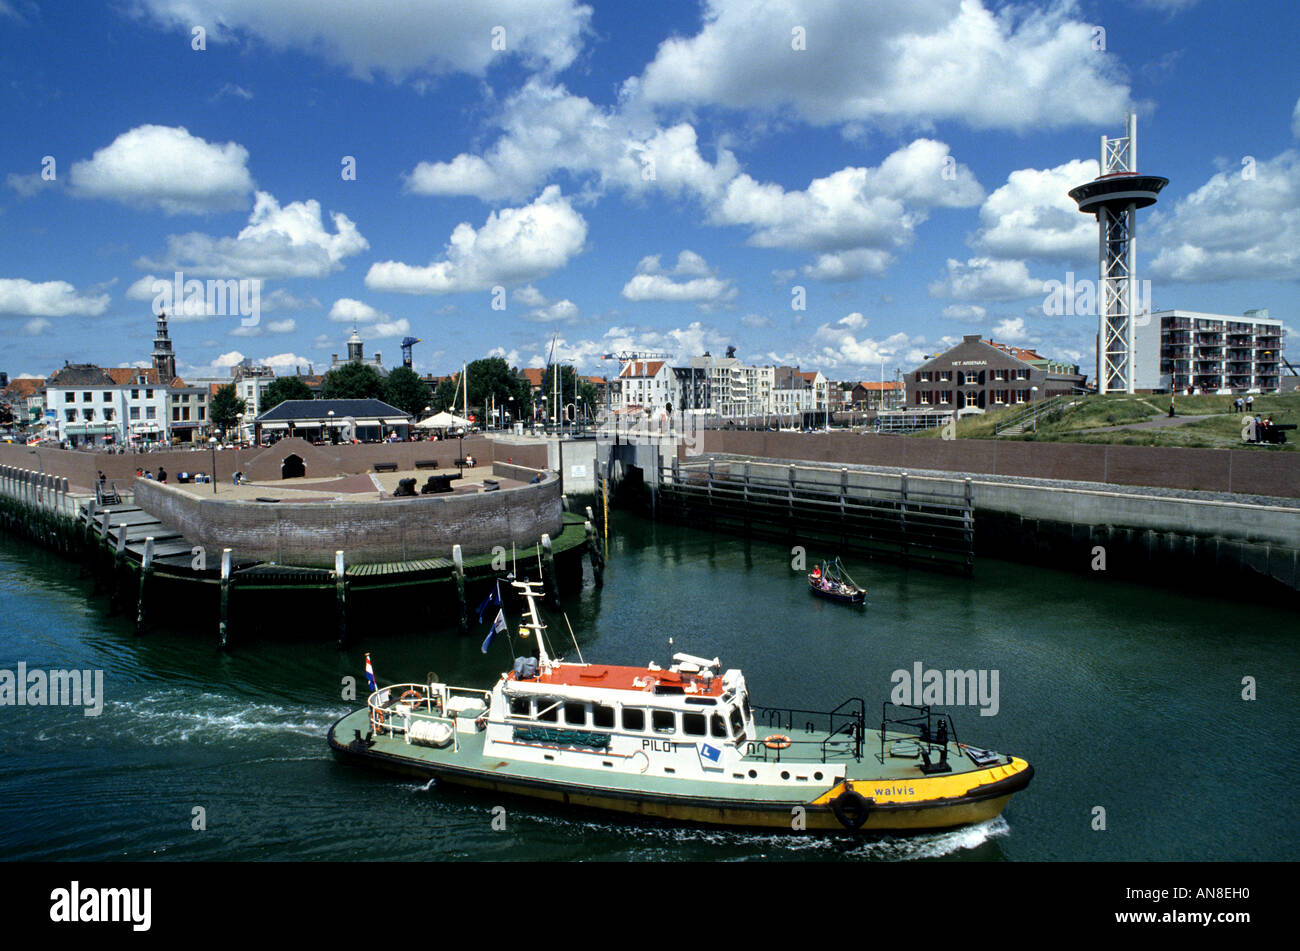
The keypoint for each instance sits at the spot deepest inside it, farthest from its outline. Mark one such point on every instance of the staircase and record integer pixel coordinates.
(1028, 419)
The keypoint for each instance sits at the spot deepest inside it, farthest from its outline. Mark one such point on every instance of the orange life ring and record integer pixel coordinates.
(379, 719)
(412, 694)
(777, 741)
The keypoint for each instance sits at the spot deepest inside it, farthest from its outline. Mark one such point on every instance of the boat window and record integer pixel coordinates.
(718, 726)
(602, 716)
(737, 722)
(634, 720)
(575, 714)
(663, 721)
(548, 709)
(521, 706)
(744, 698)
(693, 724)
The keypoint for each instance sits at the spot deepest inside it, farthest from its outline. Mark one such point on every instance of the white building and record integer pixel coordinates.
(1210, 353)
(98, 407)
(646, 386)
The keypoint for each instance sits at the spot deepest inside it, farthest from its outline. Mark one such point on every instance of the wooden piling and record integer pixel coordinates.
(341, 598)
(593, 549)
(548, 569)
(146, 571)
(902, 515)
(223, 626)
(458, 573)
(117, 593)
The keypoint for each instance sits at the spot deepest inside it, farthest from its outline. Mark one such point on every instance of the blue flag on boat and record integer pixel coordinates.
(492, 600)
(370, 674)
(498, 625)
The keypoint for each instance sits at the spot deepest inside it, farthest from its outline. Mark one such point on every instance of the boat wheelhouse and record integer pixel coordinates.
(680, 743)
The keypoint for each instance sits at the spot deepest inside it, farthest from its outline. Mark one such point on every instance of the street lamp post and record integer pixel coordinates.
(1033, 395)
(239, 429)
(330, 423)
(460, 455)
(212, 446)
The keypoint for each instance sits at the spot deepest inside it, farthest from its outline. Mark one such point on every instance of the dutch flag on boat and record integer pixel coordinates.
(710, 754)
(498, 625)
(370, 674)
(492, 600)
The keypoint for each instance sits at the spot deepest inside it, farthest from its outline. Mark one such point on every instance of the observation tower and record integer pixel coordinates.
(1114, 197)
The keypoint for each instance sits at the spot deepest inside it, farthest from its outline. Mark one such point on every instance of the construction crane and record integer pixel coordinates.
(625, 356)
(407, 344)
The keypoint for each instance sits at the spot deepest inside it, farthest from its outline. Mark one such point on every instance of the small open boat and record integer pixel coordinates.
(829, 580)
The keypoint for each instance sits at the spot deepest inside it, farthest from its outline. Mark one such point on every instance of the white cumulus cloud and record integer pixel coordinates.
(25, 298)
(288, 241)
(514, 245)
(168, 168)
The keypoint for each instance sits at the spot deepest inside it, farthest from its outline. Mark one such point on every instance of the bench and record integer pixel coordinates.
(426, 463)
(385, 467)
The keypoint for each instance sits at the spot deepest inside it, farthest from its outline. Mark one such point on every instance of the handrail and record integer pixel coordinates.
(1032, 412)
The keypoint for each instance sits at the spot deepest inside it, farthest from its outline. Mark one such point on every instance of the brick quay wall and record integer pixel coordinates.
(308, 533)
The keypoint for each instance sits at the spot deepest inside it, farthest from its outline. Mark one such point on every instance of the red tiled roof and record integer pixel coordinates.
(642, 368)
(875, 386)
(23, 388)
(534, 375)
(124, 376)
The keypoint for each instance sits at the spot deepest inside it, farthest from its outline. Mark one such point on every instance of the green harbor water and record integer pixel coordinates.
(1124, 698)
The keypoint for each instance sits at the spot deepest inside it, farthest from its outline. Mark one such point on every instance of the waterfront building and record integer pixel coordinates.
(25, 398)
(646, 386)
(1179, 350)
(367, 420)
(877, 395)
(978, 375)
(187, 421)
(98, 407)
(798, 393)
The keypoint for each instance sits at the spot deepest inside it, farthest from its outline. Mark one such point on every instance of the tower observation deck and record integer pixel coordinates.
(1114, 197)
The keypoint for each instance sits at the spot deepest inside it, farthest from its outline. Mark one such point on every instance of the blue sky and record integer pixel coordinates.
(664, 176)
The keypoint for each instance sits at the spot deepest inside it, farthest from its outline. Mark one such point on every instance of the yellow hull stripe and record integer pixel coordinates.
(925, 789)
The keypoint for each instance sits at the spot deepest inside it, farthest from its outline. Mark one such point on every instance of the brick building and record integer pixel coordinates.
(978, 375)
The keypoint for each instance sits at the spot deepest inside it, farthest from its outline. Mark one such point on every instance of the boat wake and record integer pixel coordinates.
(666, 843)
(172, 716)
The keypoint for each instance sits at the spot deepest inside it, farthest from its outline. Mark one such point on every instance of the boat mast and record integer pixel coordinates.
(527, 589)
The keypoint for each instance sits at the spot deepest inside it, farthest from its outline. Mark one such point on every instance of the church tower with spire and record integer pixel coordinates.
(164, 360)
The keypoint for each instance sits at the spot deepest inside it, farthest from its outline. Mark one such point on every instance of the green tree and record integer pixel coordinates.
(225, 407)
(352, 381)
(284, 388)
(444, 394)
(494, 382)
(405, 390)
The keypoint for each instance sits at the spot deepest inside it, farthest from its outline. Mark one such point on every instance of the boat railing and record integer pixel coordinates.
(393, 709)
(842, 729)
(931, 732)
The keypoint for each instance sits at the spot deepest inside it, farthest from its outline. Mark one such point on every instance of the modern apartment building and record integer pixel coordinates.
(1177, 350)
